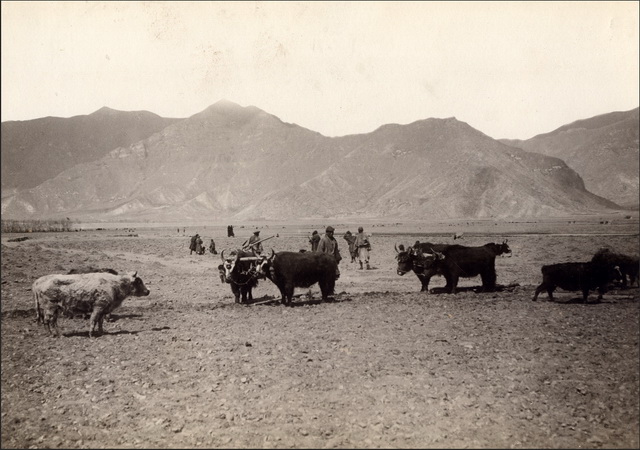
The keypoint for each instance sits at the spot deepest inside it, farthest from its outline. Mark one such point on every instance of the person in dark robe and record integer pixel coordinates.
(313, 240)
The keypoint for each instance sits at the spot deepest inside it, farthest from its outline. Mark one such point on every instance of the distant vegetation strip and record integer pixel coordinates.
(31, 226)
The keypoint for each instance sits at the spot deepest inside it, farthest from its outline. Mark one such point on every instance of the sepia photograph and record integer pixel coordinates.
(314, 224)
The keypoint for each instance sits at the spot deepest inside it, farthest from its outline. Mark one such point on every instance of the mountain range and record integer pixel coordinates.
(34, 151)
(602, 149)
(230, 162)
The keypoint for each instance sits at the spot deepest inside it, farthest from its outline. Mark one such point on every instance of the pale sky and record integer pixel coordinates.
(508, 69)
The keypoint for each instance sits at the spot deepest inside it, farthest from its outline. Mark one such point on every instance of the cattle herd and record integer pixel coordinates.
(455, 261)
(97, 292)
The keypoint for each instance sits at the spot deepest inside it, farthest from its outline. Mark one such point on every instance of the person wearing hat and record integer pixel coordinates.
(254, 244)
(351, 240)
(329, 245)
(313, 240)
(363, 246)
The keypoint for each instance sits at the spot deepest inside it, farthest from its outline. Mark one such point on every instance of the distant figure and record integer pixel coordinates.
(363, 246)
(254, 244)
(351, 240)
(178, 230)
(199, 246)
(212, 247)
(230, 231)
(184, 230)
(192, 243)
(313, 240)
(328, 244)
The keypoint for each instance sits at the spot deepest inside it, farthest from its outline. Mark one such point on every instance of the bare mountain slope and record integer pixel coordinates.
(34, 151)
(435, 168)
(602, 149)
(212, 164)
(243, 163)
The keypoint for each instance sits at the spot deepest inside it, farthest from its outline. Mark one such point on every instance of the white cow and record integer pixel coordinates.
(95, 293)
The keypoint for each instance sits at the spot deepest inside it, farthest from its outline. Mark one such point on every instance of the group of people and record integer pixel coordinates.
(197, 245)
(254, 244)
(359, 245)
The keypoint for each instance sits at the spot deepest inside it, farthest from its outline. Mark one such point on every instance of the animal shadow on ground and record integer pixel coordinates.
(476, 289)
(116, 317)
(106, 333)
(312, 301)
(578, 300)
(296, 301)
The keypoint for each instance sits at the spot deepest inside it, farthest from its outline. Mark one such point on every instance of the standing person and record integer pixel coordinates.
(363, 246)
(199, 246)
(313, 240)
(192, 244)
(212, 247)
(328, 244)
(351, 239)
(230, 231)
(256, 248)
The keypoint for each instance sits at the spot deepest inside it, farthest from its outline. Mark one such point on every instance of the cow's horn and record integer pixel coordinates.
(135, 274)
(222, 254)
(396, 247)
(273, 255)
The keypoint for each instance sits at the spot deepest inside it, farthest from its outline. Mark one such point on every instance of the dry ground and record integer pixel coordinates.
(382, 365)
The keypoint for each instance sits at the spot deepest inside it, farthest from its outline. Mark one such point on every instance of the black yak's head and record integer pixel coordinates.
(414, 259)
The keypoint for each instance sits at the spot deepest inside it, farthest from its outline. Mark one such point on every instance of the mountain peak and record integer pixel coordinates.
(224, 103)
(227, 110)
(105, 111)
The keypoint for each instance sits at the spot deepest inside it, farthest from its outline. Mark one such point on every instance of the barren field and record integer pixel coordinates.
(381, 365)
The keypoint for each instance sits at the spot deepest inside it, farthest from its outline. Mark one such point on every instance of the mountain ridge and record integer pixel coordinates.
(242, 163)
(603, 149)
(37, 150)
